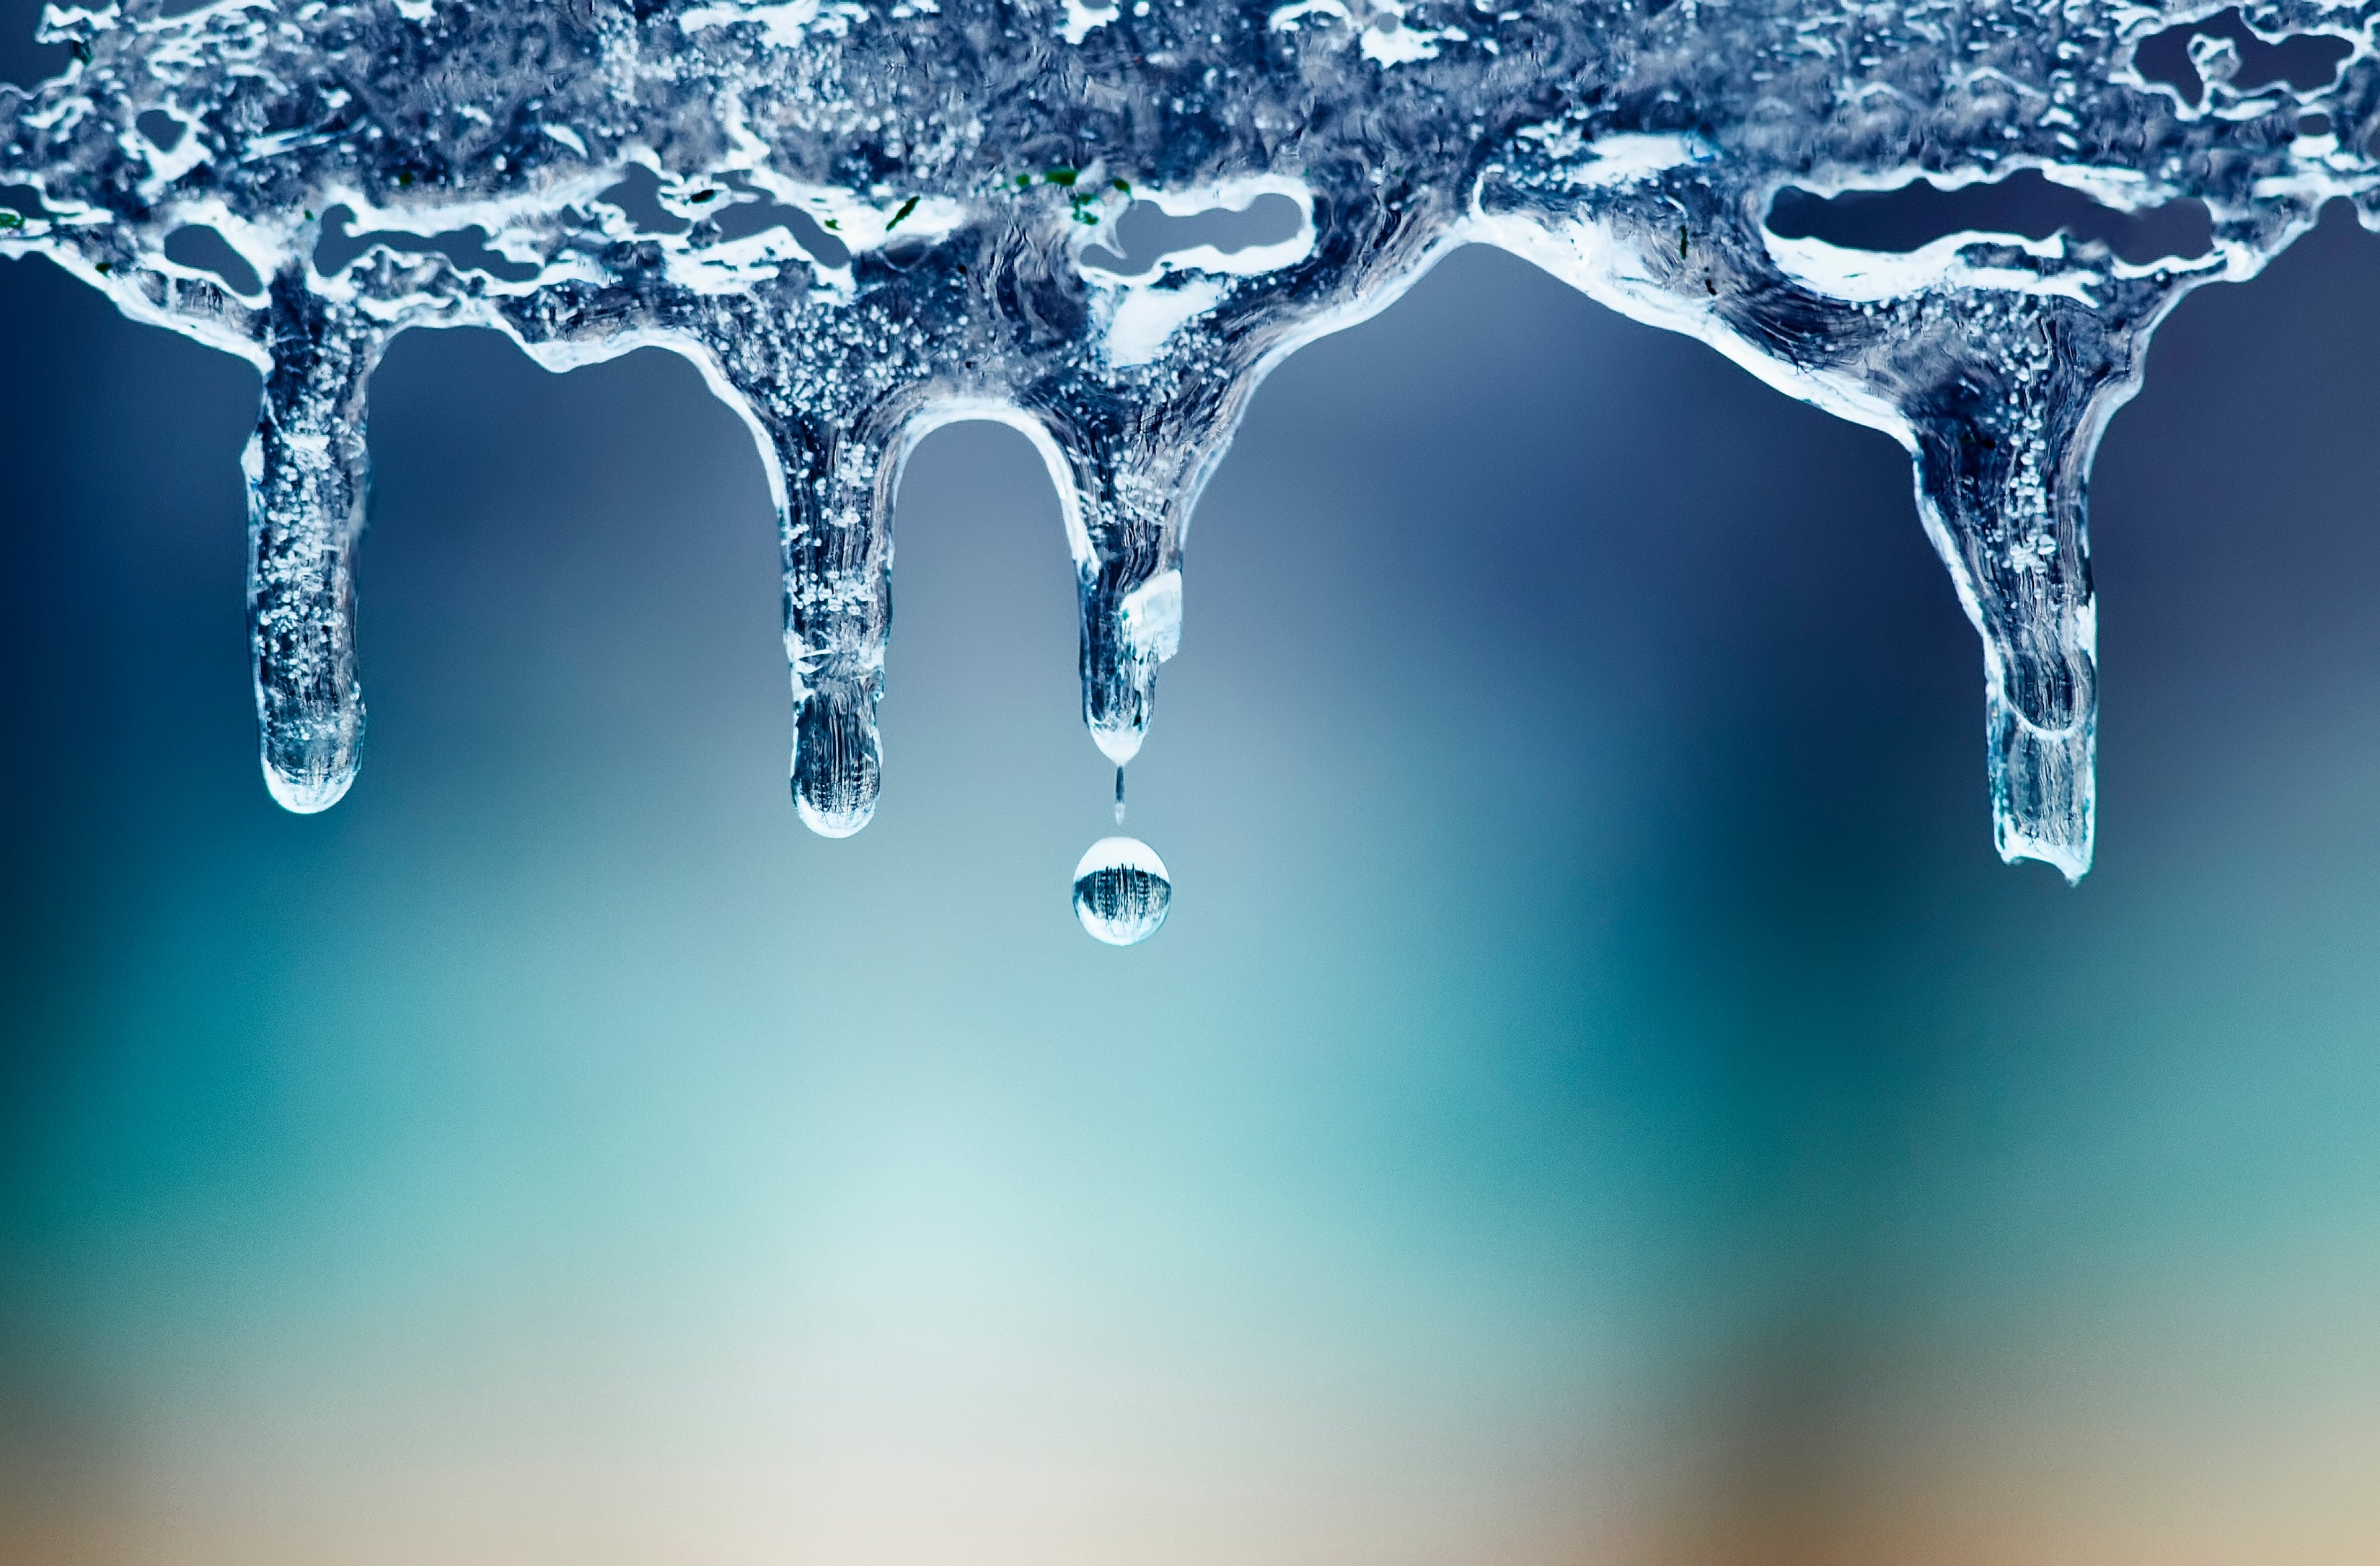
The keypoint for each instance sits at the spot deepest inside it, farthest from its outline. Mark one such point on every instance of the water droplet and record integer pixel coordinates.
(1121, 891)
(1119, 805)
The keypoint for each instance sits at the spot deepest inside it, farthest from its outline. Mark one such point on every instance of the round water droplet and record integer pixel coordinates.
(1121, 891)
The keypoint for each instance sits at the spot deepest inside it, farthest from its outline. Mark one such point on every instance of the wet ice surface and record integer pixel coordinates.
(1956, 222)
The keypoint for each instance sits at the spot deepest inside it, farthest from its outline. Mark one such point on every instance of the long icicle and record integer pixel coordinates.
(837, 531)
(307, 471)
(2002, 471)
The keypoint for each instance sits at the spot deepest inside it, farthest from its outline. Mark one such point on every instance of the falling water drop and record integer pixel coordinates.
(1121, 891)
(1119, 803)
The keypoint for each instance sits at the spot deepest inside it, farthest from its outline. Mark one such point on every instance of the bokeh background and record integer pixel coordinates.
(1599, 1097)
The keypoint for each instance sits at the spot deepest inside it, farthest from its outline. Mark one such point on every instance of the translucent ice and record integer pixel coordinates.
(1121, 891)
(861, 219)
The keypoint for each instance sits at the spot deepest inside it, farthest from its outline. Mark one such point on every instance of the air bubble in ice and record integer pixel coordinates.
(1121, 891)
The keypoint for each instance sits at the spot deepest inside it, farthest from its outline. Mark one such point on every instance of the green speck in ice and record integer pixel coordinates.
(906, 207)
(1060, 177)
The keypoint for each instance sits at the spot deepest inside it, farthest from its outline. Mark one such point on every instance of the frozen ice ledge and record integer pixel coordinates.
(860, 221)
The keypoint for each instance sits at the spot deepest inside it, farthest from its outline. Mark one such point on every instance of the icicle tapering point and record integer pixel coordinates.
(838, 762)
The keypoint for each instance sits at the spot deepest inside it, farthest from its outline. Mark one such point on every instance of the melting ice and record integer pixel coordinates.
(862, 220)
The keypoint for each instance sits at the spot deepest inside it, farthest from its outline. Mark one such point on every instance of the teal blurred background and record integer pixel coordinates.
(1598, 1099)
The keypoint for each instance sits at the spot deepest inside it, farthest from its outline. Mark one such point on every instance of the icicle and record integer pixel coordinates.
(1127, 497)
(1132, 623)
(306, 468)
(836, 529)
(834, 243)
(2002, 478)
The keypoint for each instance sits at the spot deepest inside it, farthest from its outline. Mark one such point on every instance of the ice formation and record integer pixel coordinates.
(862, 220)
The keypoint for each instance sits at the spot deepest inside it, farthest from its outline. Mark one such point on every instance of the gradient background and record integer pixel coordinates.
(1599, 1097)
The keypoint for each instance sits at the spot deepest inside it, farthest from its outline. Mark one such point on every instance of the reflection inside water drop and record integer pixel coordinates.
(1121, 891)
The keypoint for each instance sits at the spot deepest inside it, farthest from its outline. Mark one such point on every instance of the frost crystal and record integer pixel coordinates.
(861, 221)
